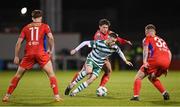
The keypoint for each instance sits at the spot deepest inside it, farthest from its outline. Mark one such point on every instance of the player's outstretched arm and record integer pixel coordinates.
(73, 51)
(123, 57)
(17, 49)
(123, 41)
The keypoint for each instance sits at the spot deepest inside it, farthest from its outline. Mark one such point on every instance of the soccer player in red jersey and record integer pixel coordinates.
(156, 61)
(102, 34)
(34, 34)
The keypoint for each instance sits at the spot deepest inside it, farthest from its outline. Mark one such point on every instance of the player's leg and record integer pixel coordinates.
(162, 68)
(13, 84)
(46, 64)
(76, 75)
(79, 77)
(48, 68)
(107, 72)
(26, 63)
(92, 69)
(137, 84)
(158, 85)
(84, 85)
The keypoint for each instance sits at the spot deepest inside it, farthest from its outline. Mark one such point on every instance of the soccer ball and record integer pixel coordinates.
(101, 91)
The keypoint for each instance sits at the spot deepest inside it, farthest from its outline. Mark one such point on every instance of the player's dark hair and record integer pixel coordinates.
(114, 35)
(150, 26)
(36, 13)
(104, 22)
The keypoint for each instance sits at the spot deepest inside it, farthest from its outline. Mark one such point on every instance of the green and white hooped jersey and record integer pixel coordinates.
(101, 51)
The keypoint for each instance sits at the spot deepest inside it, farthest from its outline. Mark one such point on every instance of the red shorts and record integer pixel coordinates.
(29, 60)
(157, 66)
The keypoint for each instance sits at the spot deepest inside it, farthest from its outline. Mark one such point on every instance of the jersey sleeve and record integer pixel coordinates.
(47, 29)
(121, 40)
(22, 34)
(118, 50)
(146, 40)
(92, 44)
(85, 43)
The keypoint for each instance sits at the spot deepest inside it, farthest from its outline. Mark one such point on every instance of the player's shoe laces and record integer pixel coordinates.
(67, 91)
(134, 99)
(166, 96)
(5, 98)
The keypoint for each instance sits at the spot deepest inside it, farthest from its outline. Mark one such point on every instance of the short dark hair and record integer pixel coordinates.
(104, 22)
(37, 13)
(150, 26)
(114, 35)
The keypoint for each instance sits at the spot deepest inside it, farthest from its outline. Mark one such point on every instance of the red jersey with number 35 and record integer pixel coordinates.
(158, 48)
(34, 34)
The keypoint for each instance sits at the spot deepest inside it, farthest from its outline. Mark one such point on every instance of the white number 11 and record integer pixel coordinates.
(36, 29)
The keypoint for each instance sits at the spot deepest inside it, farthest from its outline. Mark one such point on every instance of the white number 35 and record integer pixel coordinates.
(160, 43)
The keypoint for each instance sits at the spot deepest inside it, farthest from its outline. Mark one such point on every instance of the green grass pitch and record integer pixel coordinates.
(34, 90)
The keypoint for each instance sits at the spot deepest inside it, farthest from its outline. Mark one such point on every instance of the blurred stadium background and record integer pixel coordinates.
(73, 21)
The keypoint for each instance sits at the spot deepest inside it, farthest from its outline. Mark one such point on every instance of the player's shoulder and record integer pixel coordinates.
(147, 37)
(44, 24)
(143, 39)
(110, 31)
(27, 26)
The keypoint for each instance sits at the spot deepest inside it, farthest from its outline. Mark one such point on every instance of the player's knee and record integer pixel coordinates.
(151, 78)
(138, 77)
(88, 71)
(19, 74)
(51, 74)
(108, 71)
(107, 74)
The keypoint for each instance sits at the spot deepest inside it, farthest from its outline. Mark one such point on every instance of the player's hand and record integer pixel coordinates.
(129, 63)
(129, 42)
(73, 52)
(146, 65)
(16, 60)
(50, 53)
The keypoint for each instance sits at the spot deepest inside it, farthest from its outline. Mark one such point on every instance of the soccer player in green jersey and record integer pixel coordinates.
(101, 50)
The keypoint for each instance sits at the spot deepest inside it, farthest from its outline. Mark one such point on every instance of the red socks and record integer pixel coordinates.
(15, 81)
(104, 79)
(75, 76)
(158, 85)
(13, 85)
(54, 86)
(137, 87)
(155, 82)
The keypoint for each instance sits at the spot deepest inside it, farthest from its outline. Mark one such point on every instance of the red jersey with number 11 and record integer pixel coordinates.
(34, 34)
